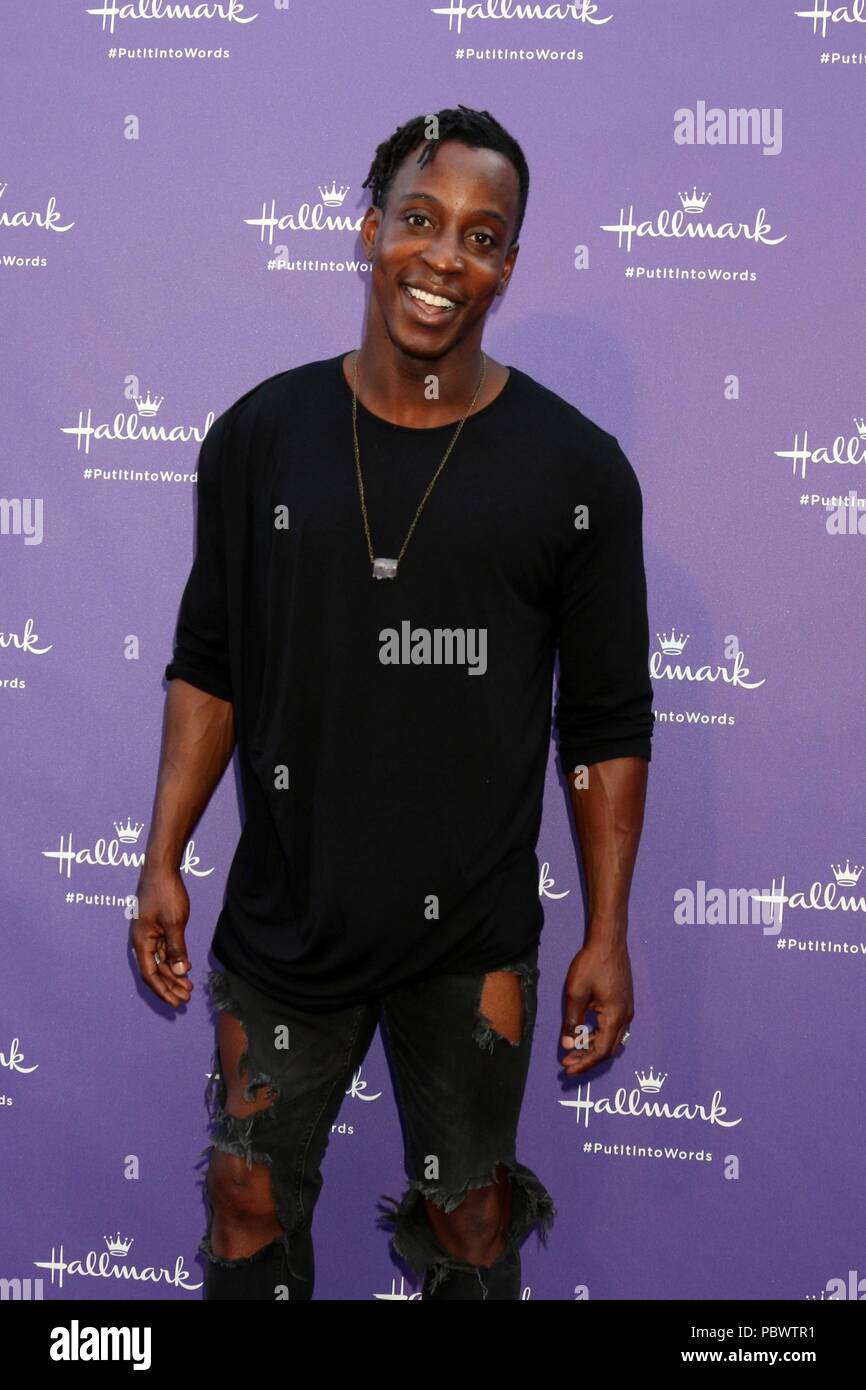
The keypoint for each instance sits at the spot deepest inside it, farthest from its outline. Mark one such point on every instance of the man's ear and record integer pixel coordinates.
(369, 229)
(508, 268)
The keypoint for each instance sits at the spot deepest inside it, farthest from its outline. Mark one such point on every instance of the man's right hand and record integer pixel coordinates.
(163, 912)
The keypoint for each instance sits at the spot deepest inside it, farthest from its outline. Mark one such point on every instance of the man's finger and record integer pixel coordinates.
(158, 977)
(179, 988)
(165, 988)
(584, 1047)
(575, 1011)
(174, 963)
(602, 1043)
(175, 951)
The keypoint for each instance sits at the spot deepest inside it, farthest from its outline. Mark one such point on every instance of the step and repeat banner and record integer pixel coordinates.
(180, 198)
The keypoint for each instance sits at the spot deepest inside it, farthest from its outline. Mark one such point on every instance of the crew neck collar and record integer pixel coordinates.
(423, 429)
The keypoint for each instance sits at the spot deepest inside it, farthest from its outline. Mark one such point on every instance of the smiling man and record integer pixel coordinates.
(386, 872)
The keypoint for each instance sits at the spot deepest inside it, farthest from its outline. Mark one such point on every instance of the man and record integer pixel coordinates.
(392, 546)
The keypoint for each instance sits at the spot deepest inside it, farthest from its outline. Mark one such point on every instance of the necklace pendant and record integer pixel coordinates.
(384, 569)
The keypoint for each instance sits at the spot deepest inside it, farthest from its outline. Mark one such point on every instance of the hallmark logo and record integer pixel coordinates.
(649, 1082)
(632, 1104)
(128, 833)
(148, 405)
(333, 197)
(824, 14)
(849, 876)
(14, 1057)
(308, 217)
(666, 224)
(107, 854)
(673, 644)
(546, 882)
(718, 906)
(357, 1087)
(105, 1266)
(845, 449)
(127, 427)
(579, 11)
(232, 11)
(439, 646)
(47, 220)
(822, 896)
(694, 202)
(755, 125)
(24, 641)
(116, 1246)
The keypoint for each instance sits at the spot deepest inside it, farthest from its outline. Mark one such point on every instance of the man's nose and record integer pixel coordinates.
(444, 252)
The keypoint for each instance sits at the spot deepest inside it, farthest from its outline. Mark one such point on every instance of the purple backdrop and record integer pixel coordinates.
(143, 156)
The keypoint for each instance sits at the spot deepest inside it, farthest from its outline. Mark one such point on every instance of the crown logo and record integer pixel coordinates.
(118, 1247)
(861, 426)
(150, 405)
(648, 1081)
(694, 202)
(128, 833)
(849, 876)
(671, 644)
(333, 197)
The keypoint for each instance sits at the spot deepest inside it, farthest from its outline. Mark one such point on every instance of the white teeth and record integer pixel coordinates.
(435, 299)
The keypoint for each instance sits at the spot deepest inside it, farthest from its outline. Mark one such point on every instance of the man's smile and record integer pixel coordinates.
(425, 305)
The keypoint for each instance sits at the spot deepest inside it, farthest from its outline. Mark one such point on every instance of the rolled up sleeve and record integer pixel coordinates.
(604, 703)
(201, 648)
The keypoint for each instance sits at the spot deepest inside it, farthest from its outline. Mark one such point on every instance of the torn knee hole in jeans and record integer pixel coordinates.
(243, 1118)
(279, 1248)
(501, 1005)
(412, 1236)
(219, 988)
(234, 1134)
(234, 1129)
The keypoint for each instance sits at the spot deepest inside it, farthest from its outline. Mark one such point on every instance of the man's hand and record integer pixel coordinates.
(163, 912)
(598, 978)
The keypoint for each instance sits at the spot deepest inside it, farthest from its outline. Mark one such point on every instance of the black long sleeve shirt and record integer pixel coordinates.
(393, 796)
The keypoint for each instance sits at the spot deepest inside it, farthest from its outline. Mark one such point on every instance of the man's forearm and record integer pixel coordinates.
(198, 739)
(608, 816)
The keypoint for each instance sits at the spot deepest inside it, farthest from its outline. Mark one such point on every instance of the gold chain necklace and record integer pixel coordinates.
(384, 568)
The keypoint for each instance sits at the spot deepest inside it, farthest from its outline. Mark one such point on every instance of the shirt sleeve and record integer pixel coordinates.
(604, 704)
(201, 654)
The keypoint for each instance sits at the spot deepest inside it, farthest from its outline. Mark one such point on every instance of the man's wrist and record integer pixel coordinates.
(160, 860)
(605, 929)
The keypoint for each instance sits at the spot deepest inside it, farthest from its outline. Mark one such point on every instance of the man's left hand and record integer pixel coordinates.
(599, 978)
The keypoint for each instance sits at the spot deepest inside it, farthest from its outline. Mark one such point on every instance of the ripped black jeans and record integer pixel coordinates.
(459, 1084)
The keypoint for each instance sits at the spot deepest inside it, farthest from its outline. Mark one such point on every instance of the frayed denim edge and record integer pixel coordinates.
(484, 1033)
(412, 1236)
(233, 1133)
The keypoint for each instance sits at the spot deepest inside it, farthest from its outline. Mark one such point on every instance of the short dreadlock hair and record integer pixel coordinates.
(477, 129)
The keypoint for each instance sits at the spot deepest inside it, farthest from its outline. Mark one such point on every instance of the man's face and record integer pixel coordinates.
(445, 229)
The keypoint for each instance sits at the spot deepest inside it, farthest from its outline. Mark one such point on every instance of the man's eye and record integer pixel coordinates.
(490, 240)
(410, 215)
